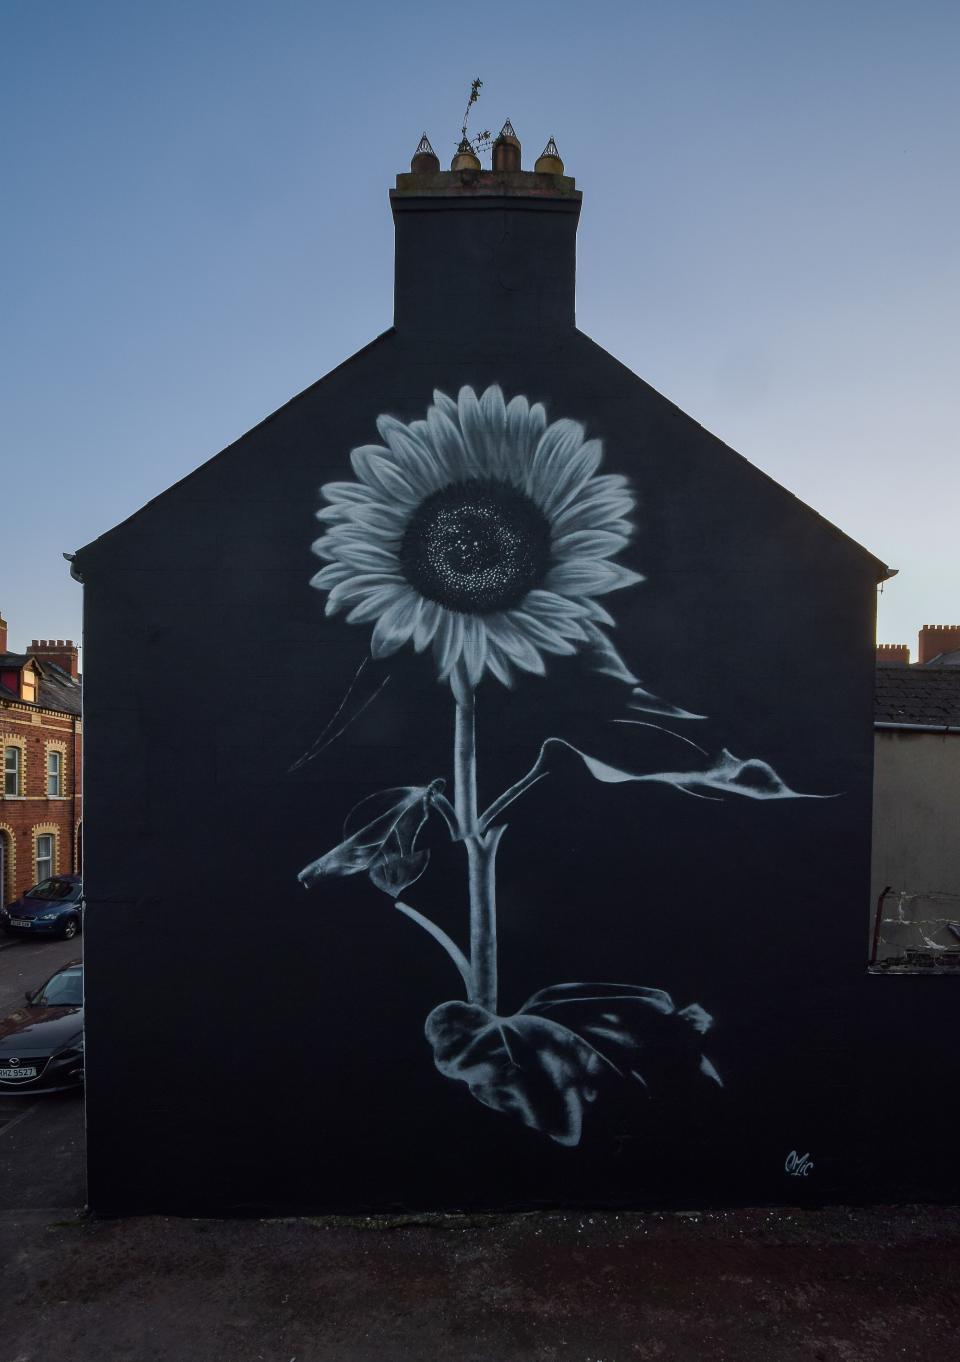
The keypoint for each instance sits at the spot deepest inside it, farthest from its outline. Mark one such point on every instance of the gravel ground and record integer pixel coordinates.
(835, 1285)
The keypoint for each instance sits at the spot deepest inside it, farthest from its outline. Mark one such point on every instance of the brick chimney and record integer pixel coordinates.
(938, 638)
(893, 654)
(64, 652)
(3, 635)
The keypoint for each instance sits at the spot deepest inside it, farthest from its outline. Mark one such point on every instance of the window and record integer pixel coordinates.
(12, 770)
(44, 856)
(28, 685)
(54, 773)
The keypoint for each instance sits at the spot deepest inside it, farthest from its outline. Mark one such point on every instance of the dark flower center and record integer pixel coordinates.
(476, 546)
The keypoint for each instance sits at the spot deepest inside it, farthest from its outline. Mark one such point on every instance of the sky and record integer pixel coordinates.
(196, 227)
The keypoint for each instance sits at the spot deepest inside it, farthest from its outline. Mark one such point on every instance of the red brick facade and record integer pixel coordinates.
(40, 791)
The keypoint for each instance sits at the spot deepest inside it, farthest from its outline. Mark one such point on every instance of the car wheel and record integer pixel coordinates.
(70, 928)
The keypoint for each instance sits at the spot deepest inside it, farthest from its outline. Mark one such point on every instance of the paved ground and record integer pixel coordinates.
(25, 963)
(756, 1286)
(876, 1285)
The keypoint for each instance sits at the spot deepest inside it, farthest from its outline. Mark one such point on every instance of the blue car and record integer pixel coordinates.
(53, 907)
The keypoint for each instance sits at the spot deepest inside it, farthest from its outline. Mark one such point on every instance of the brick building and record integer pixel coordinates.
(41, 737)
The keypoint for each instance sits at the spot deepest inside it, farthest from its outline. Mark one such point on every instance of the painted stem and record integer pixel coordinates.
(481, 858)
(439, 935)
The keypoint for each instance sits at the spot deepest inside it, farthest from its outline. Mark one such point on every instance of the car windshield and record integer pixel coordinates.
(63, 990)
(51, 889)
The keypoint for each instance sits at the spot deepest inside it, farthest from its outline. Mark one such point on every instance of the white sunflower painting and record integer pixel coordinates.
(487, 534)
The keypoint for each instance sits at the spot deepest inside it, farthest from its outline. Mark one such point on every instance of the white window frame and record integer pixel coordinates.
(50, 860)
(54, 773)
(16, 771)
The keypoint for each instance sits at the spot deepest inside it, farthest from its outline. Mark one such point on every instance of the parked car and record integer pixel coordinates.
(41, 1044)
(54, 907)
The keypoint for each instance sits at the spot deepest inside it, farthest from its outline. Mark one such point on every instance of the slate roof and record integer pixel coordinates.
(945, 659)
(57, 689)
(917, 695)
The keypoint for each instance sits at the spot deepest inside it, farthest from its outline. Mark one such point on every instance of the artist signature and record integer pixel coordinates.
(798, 1165)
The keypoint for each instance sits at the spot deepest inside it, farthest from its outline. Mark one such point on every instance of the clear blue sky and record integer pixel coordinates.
(769, 237)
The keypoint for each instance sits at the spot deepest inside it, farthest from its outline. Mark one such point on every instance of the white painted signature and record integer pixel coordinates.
(798, 1165)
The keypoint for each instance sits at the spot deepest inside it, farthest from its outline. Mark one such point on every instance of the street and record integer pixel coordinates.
(41, 1138)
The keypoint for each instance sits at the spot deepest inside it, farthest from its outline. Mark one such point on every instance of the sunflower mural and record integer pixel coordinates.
(487, 535)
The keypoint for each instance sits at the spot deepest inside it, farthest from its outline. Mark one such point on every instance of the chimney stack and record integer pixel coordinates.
(3, 635)
(936, 639)
(64, 652)
(893, 655)
(485, 253)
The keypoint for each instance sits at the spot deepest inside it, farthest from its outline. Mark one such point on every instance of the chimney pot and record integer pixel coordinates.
(506, 151)
(466, 158)
(425, 160)
(548, 162)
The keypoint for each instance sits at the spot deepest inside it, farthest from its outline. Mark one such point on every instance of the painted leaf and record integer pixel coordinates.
(393, 872)
(605, 658)
(549, 1061)
(752, 778)
(604, 655)
(649, 703)
(525, 1066)
(638, 1031)
(398, 815)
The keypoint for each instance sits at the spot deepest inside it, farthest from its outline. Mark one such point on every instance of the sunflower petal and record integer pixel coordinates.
(396, 624)
(378, 600)
(447, 441)
(498, 665)
(366, 556)
(590, 577)
(551, 640)
(426, 625)
(559, 443)
(448, 642)
(550, 605)
(474, 432)
(324, 547)
(515, 644)
(376, 516)
(577, 470)
(378, 471)
(598, 614)
(494, 413)
(589, 544)
(445, 404)
(331, 575)
(411, 457)
(593, 510)
(346, 491)
(357, 587)
(434, 471)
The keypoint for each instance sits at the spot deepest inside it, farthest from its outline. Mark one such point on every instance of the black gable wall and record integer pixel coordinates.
(255, 1046)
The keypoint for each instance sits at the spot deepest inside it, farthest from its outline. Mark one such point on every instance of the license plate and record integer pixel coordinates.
(21, 922)
(18, 1073)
